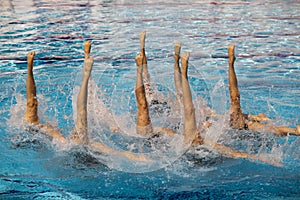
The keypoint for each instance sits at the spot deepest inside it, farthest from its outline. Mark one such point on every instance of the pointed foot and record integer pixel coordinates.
(177, 48)
(184, 60)
(87, 48)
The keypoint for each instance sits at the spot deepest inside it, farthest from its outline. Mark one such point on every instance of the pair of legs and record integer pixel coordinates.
(238, 120)
(31, 116)
(80, 133)
(184, 95)
(143, 124)
(144, 95)
(177, 72)
(145, 73)
(191, 133)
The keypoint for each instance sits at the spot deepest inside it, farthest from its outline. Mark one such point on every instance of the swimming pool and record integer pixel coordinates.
(266, 36)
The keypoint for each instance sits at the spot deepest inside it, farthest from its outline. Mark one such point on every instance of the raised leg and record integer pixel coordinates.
(143, 124)
(80, 134)
(146, 75)
(31, 114)
(236, 115)
(177, 71)
(190, 127)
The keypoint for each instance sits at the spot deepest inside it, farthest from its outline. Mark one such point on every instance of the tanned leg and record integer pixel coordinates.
(80, 134)
(177, 71)
(143, 124)
(270, 128)
(31, 115)
(190, 127)
(257, 118)
(236, 115)
(252, 122)
(146, 75)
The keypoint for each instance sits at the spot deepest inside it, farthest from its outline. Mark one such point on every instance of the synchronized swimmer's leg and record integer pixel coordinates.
(146, 75)
(239, 120)
(190, 128)
(236, 115)
(143, 124)
(142, 52)
(177, 71)
(144, 95)
(80, 134)
(31, 115)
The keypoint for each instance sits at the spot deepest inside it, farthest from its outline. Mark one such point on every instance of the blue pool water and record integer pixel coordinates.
(267, 39)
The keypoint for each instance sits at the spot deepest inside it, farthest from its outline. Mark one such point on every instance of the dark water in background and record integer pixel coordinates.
(266, 36)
